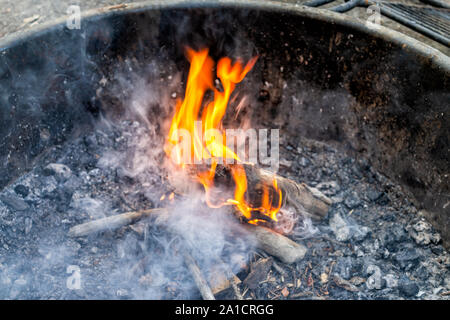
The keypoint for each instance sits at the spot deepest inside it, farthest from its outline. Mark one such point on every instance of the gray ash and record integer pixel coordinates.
(374, 243)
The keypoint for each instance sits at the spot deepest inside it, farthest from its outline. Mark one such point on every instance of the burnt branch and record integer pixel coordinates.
(113, 222)
(199, 280)
(270, 241)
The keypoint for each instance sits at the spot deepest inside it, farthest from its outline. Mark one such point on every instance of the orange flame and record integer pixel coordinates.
(206, 141)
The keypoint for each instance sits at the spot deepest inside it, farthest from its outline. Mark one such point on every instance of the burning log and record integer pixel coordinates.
(302, 198)
(297, 195)
(277, 245)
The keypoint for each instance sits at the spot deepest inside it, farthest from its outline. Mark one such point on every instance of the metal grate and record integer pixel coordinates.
(431, 22)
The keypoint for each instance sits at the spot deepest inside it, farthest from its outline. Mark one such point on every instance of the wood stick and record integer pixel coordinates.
(277, 245)
(113, 222)
(162, 215)
(199, 280)
(270, 241)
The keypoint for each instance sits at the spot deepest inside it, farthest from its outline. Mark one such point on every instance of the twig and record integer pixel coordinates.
(113, 222)
(120, 220)
(329, 273)
(331, 240)
(344, 284)
(270, 241)
(199, 280)
(302, 294)
(117, 6)
(245, 292)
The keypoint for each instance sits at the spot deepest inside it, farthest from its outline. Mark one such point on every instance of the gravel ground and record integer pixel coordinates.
(21, 15)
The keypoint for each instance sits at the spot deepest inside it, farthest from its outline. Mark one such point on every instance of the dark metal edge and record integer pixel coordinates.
(407, 43)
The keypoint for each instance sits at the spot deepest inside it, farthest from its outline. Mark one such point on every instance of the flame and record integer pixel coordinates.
(206, 138)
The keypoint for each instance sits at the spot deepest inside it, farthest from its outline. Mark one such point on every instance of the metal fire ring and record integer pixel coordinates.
(407, 43)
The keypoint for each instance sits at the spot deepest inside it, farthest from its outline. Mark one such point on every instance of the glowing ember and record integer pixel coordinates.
(193, 141)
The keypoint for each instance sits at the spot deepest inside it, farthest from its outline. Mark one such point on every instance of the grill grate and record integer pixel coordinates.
(434, 23)
(431, 22)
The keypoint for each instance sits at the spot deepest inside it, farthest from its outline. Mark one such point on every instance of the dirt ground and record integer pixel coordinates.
(24, 14)
(21, 15)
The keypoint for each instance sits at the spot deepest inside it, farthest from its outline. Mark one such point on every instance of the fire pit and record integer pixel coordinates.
(118, 179)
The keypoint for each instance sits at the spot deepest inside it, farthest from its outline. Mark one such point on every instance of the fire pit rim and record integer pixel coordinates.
(405, 42)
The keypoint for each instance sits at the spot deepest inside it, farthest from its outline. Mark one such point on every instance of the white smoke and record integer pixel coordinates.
(209, 235)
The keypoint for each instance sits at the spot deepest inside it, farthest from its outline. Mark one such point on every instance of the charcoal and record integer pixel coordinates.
(60, 171)
(422, 273)
(438, 250)
(28, 225)
(407, 257)
(374, 195)
(369, 240)
(72, 184)
(352, 201)
(329, 188)
(407, 287)
(91, 142)
(361, 233)
(22, 190)
(423, 234)
(258, 273)
(392, 237)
